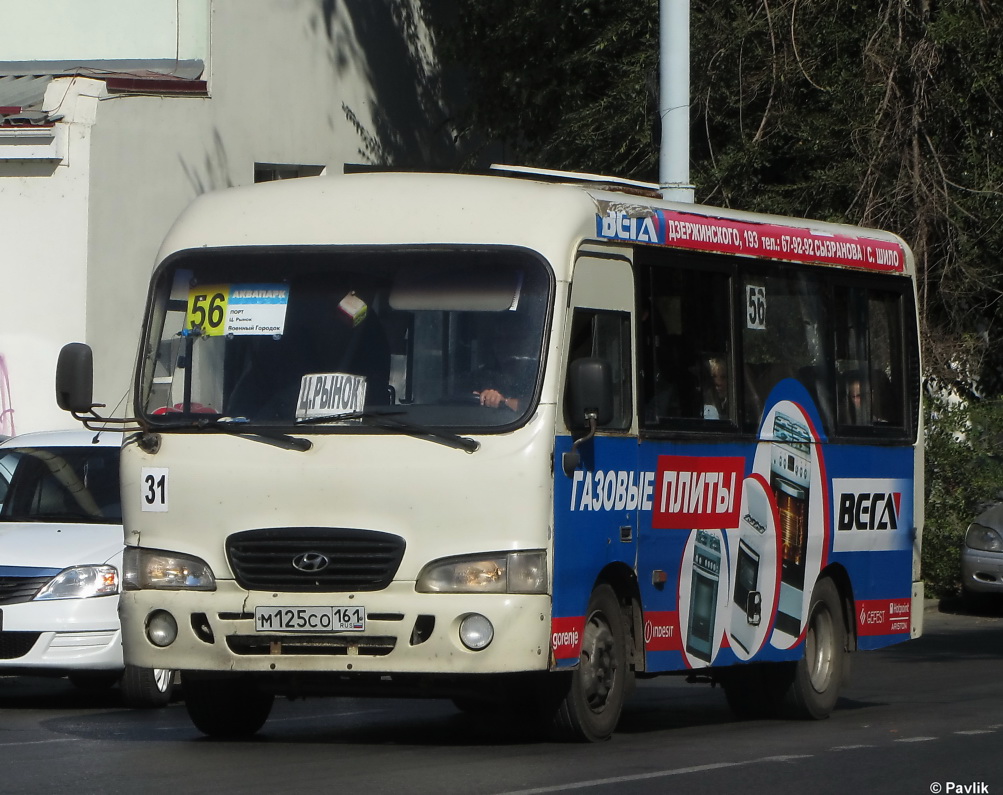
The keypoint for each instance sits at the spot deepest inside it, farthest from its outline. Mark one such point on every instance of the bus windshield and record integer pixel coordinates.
(442, 338)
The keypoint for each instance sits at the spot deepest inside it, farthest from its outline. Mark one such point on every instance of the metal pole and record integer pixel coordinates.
(674, 99)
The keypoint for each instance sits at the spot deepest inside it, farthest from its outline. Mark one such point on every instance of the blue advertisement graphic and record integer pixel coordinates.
(725, 540)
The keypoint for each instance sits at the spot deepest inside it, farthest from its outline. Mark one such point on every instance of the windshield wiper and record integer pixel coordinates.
(382, 419)
(239, 427)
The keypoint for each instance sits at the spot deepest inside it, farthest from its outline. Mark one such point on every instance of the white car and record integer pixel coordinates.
(61, 543)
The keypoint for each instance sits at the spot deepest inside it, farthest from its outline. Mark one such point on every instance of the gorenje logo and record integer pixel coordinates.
(566, 637)
(875, 510)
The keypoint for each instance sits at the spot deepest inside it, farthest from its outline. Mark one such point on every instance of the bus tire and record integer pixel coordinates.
(226, 708)
(595, 692)
(818, 675)
(147, 688)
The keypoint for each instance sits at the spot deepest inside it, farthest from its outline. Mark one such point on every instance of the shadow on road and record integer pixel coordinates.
(951, 632)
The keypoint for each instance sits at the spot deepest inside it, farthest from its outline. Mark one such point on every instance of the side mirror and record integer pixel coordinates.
(75, 378)
(589, 402)
(589, 393)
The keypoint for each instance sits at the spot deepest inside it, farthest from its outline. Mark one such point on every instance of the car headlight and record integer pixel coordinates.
(499, 572)
(81, 582)
(985, 538)
(153, 569)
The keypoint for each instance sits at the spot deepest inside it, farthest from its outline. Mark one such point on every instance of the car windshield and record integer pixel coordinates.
(332, 338)
(61, 484)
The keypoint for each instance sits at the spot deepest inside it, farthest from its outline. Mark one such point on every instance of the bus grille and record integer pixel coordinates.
(21, 589)
(314, 559)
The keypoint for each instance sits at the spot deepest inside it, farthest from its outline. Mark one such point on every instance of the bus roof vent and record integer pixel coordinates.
(633, 186)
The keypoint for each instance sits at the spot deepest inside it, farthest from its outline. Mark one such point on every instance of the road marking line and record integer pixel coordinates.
(679, 771)
(915, 739)
(977, 731)
(39, 742)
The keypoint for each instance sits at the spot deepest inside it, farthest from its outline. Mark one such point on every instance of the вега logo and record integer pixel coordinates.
(620, 225)
(867, 505)
(871, 514)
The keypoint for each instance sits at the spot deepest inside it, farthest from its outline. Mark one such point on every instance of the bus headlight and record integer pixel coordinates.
(499, 572)
(153, 569)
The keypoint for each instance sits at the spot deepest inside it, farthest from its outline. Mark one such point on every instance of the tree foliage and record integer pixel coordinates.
(560, 83)
(884, 113)
(964, 472)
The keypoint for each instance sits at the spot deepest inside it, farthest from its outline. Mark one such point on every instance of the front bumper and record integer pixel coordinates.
(982, 572)
(61, 636)
(406, 633)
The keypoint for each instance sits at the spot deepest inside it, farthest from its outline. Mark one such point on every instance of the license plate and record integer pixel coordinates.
(310, 619)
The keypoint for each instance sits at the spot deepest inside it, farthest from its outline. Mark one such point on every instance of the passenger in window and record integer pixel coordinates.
(855, 399)
(862, 399)
(716, 388)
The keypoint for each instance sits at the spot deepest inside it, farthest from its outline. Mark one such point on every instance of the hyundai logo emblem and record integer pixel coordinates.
(311, 562)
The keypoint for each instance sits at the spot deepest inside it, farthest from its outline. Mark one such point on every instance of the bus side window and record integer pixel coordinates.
(606, 335)
(869, 358)
(785, 335)
(687, 368)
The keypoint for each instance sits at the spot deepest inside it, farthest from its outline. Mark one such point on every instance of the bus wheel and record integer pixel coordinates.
(819, 674)
(223, 707)
(596, 690)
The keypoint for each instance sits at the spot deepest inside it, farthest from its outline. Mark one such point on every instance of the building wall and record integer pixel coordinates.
(43, 216)
(60, 30)
(294, 82)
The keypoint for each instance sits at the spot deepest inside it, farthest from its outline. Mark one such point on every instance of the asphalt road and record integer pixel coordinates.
(923, 717)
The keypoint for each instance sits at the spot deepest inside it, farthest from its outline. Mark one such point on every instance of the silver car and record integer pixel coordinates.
(982, 558)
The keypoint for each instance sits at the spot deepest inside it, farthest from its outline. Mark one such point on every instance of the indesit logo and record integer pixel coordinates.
(661, 631)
